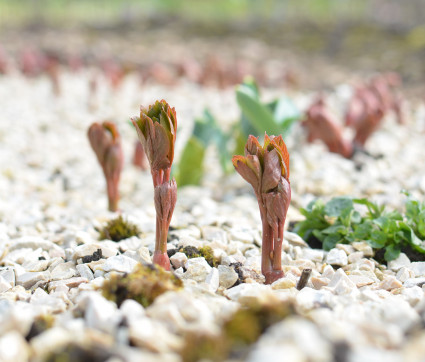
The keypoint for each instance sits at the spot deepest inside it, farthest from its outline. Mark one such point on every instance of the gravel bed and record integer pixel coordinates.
(53, 202)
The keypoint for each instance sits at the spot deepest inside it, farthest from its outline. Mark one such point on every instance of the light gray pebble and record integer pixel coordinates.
(228, 276)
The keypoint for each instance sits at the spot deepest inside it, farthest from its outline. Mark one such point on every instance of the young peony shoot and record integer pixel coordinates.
(267, 170)
(156, 128)
(106, 142)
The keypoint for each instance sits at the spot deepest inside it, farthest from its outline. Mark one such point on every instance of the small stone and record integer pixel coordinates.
(35, 265)
(227, 260)
(228, 276)
(355, 257)
(144, 255)
(4, 285)
(243, 235)
(197, 269)
(361, 280)
(13, 348)
(413, 295)
(119, 263)
(389, 283)
(314, 255)
(178, 260)
(328, 272)
(411, 282)
(284, 283)
(318, 283)
(214, 233)
(88, 249)
(27, 280)
(401, 261)
(64, 271)
(337, 257)
(250, 292)
(346, 247)
(100, 313)
(85, 271)
(364, 247)
(308, 298)
(8, 274)
(340, 283)
(295, 239)
(70, 283)
(404, 273)
(418, 267)
(213, 279)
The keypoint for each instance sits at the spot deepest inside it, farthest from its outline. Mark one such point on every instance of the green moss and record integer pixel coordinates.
(144, 285)
(40, 324)
(118, 229)
(208, 254)
(237, 334)
(74, 352)
(205, 251)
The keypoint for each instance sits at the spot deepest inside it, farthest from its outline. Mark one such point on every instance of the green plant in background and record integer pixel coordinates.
(391, 232)
(276, 117)
(206, 131)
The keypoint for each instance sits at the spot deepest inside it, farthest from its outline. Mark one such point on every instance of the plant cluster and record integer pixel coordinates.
(106, 143)
(118, 229)
(266, 168)
(238, 332)
(144, 285)
(365, 112)
(389, 232)
(192, 252)
(157, 129)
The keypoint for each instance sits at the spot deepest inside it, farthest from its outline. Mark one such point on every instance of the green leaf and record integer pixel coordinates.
(336, 229)
(392, 252)
(363, 231)
(190, 169)
(330, 241)
(337, 205)
(378, 239)
(260, 117)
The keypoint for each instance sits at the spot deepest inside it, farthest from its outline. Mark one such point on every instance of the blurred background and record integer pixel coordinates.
(312, 44)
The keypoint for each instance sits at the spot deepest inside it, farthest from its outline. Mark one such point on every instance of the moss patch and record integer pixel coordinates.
(144, 285)
(239, 332)
(118, 229)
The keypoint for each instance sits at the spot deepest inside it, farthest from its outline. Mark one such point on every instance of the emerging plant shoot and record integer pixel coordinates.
(106, 142)
(156, 128)
(267, 170)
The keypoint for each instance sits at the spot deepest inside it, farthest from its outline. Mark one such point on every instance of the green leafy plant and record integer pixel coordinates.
(206, 132)
(156, 128)
(118, 229)
(338, 221)
(266, 168)
(275, 117)
(106, 143)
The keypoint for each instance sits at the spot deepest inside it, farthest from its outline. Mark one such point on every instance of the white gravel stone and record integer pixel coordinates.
(85, 271)
(418, 268)
(4, 285)
(119, 263)
(337, 257)
(294, 239)
(100, 313)
(313, 255)
(64, 271)
(8, 274)
(197, 269)
(213, 279)
(341, 283)
(400, 262)
(27, 280)
(178, 260)
(244, 292)
(228, 276)
(13, 348)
